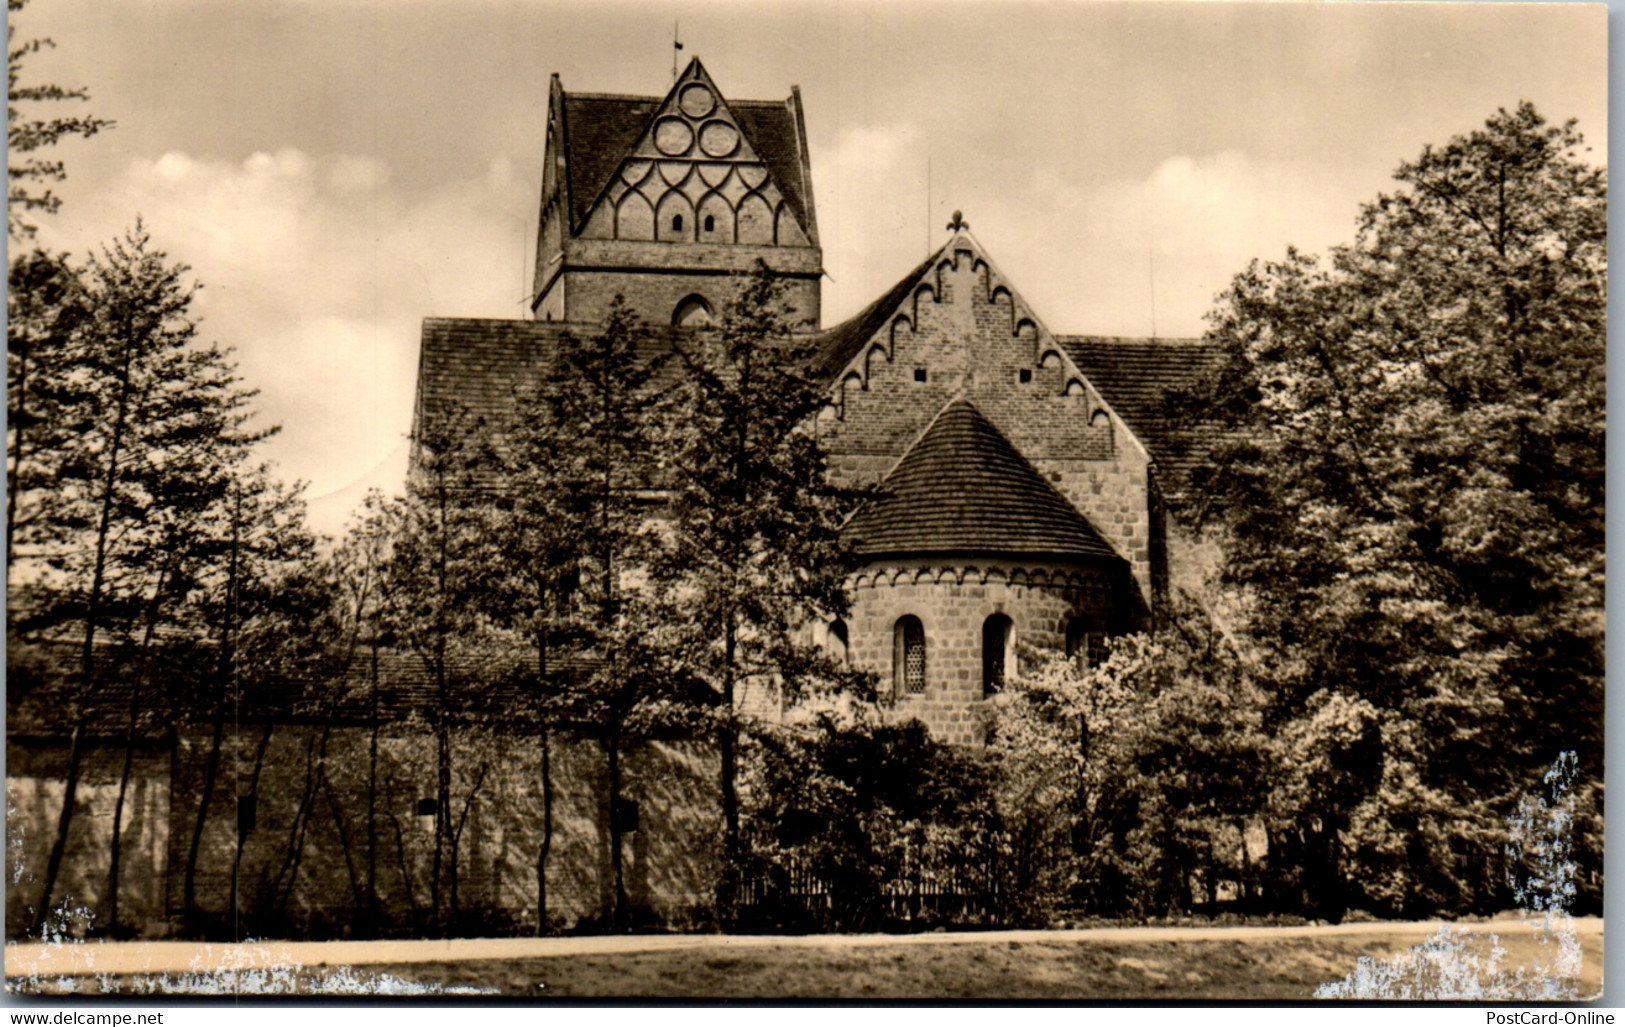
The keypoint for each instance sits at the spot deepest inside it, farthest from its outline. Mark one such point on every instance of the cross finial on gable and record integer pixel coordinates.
(958, 224)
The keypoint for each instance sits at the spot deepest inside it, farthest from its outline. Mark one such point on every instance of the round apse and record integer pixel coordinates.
(718, 138)
(696, 101)
(673, 137)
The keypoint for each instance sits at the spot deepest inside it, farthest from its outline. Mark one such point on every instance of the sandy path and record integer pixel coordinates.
(156, 957)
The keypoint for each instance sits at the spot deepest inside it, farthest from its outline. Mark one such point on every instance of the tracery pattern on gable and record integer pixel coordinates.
(694, 177)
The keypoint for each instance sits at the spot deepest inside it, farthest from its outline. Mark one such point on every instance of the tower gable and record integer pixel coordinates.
(664, 200)
(696, 174)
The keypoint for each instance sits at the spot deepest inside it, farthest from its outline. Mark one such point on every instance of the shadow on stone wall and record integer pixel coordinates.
(337, 847)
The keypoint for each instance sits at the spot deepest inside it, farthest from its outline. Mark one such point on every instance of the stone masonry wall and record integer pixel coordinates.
(953, 601)
(306, 863)
(585, 296)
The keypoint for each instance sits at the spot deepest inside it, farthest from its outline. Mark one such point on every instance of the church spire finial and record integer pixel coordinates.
(958, 224)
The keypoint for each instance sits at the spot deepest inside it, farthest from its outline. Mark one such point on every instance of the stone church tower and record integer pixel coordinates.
(662, 200)
(1026, 472)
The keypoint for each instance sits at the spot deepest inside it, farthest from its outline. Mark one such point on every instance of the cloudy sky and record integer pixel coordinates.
(336, 171)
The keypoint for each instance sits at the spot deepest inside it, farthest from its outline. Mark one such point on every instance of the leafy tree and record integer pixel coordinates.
(28, 191)
(857, 806)
(166, 429)
(752, 548)
(579, 536)
(1123, 782)
(1413, 494)
(439, 559)
(256, 589)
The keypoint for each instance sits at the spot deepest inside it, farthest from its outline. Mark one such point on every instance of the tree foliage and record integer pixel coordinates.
(580, 535)
(752, 550)
(29, 190)
(131, 440)
(1412, 493)
(1126, 787)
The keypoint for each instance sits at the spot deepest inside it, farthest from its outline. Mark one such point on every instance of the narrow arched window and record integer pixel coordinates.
(995, 652)
(836, 643)
(692, 312)
(908, 656)
(677, 222)
(710, 223)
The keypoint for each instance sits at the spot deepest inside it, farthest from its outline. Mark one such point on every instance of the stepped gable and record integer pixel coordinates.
(963, 488)
(1136, 376)
(474, 365)
(840, 344)
(603, 130)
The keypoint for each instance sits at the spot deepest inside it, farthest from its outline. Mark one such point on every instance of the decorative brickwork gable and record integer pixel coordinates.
(662, 200)
(956, 327)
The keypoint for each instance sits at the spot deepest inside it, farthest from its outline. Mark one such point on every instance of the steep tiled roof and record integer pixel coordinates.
(963, 488)
(601, 129)
(1136, 376)
(473, 365)
(846, 340)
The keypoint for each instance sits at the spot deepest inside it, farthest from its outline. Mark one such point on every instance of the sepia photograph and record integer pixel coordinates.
(544, 501)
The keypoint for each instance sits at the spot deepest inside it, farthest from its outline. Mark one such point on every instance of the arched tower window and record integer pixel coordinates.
(996, 632)
(692, 312)
(908, 656)
(836, 643)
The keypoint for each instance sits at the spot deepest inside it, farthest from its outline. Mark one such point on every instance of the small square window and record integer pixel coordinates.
(919, 374)
(1026, 375)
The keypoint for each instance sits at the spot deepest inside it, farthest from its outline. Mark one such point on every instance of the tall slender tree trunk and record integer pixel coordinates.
(442, 812)
(612, 746)
(730, 730)
(93, 612)
(211, 769)
(144, 662)
(242, 836)
(371, 916)
(547, 834)
(542, 707)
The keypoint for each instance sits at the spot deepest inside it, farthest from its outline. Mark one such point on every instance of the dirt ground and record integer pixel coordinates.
(1156, 965)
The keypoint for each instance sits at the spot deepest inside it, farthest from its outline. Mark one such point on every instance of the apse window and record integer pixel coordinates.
(919, 374)
(996, 633)
(908, 657)
(836, 643)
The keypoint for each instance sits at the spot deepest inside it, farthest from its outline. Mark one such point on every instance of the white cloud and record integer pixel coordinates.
(318, 272)
(1129, 256)
(870, 189)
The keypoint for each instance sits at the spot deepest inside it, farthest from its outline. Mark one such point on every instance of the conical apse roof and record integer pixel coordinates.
(963, 488)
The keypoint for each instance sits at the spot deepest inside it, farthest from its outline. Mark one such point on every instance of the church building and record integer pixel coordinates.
(1025, 473)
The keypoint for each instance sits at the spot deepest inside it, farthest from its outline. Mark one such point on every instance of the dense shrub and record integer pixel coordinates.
(855, 826)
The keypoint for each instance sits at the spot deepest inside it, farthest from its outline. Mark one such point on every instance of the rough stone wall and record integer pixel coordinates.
(585, 296)
(972, 336)
(953, 601)
(35, 785)
(306, 863)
